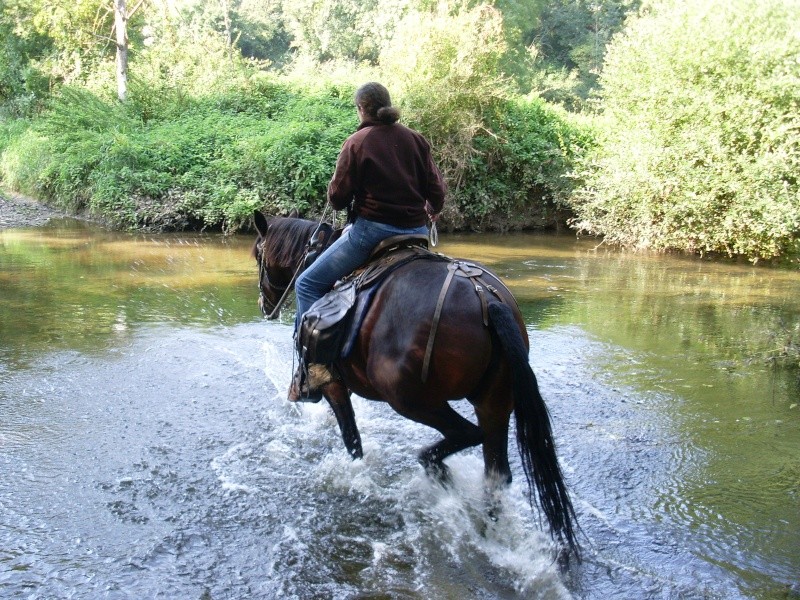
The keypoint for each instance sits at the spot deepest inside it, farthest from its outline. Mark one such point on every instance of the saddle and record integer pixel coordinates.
(330, 328)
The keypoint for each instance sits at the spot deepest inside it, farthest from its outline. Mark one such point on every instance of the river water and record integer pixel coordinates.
(147, 450)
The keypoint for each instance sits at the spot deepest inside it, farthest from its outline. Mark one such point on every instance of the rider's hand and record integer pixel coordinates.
(431, 215)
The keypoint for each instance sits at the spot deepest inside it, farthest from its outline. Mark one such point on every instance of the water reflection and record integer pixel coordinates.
(711, 431)
(81, 287)
(704, 336)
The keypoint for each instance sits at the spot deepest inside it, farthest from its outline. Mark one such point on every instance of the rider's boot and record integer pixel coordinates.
(307, 383)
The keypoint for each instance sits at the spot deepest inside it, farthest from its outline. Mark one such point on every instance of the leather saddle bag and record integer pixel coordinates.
(325, 325)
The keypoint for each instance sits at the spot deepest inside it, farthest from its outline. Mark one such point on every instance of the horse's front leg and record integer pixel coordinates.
(338, 396)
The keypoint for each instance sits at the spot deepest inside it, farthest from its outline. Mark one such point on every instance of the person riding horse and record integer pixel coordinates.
(387, 179)
(416, 349)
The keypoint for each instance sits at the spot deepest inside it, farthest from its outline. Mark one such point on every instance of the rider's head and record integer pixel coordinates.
(374, 103)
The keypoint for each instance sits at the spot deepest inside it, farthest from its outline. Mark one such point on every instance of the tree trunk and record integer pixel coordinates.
(121, 25)
(227, 19)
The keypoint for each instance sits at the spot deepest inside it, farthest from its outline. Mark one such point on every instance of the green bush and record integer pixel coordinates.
(269, 147)
(20, 155)
(202, 139)
(520, 174)
(699, 147)
(272, 145)
(505, 158)
(445, 70)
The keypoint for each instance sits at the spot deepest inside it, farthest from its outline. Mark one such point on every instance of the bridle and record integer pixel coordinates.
(263, 276)
(312, 249)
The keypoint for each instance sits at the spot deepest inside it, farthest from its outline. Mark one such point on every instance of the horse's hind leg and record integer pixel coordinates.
(493, 408)
(458, 434)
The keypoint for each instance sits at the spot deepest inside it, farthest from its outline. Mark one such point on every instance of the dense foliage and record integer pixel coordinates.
(570, 41)
(205, 136)
(691, 142)
(267, 146)
(519, 177)
(498, 154)
(701, 146)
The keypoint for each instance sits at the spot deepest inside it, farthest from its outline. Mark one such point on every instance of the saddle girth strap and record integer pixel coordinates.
(426, 363)
(462, 269)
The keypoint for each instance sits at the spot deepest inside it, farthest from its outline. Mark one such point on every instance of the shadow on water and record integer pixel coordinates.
(147, 451)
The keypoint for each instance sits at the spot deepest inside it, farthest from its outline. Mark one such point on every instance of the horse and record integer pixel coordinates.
(480, 354)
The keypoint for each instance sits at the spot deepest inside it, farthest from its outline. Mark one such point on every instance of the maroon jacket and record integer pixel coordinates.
(389, 172)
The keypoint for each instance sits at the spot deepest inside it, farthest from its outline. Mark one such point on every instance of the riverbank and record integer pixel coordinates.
(20, 211)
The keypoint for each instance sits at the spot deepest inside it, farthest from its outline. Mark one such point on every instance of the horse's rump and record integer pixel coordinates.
(392, 341)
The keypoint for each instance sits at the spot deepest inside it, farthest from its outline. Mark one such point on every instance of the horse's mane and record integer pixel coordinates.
(286, 240)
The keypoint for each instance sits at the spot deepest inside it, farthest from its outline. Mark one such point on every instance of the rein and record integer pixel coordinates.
(286, 289)
(263, 272)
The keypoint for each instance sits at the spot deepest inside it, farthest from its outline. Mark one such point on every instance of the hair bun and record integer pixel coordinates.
(388, 114)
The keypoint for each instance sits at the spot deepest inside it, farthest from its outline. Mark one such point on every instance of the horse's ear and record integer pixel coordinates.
(294, 214)
(261, 222)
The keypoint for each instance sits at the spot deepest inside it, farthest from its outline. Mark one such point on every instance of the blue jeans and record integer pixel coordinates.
(342, 258)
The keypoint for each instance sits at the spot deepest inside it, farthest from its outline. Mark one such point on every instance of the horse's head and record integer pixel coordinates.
(279, 250)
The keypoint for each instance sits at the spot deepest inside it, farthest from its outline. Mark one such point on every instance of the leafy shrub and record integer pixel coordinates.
(269, 147)
(700, 150)
(520, 174)
(505, 158)
(445, 69)
(19, 153)
(176, 155)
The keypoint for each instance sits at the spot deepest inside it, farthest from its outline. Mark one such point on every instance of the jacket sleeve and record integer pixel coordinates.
(343, 183)
(436, 186)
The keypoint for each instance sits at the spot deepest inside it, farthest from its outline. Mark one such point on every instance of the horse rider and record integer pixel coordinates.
(386, 177)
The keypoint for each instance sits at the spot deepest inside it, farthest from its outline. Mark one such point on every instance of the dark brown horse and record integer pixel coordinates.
(486, 364)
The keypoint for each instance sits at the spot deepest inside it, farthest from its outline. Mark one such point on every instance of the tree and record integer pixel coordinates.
(260, 30)
(445, 67)
(23, 84)
(67, 42)
(121, 27)
(570, 40)
(356, 30)
(700, 131)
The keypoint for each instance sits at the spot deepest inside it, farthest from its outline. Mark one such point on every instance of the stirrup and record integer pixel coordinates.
(307, 383)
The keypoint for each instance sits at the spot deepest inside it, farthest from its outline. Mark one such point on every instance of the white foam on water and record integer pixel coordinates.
(433, 520)
(514, 542)
(278, 359)
(230, 468)
(452, 519)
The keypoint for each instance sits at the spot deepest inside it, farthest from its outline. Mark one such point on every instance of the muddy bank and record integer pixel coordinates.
(19, 211)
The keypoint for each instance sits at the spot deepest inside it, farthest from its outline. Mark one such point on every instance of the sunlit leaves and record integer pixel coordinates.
(701, 105)
(268, 146)
(446, 70)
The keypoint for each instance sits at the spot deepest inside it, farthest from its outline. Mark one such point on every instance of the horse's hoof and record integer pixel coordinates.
(439, 472)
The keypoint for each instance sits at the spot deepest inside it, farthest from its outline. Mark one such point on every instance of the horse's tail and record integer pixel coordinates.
(534, 436)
